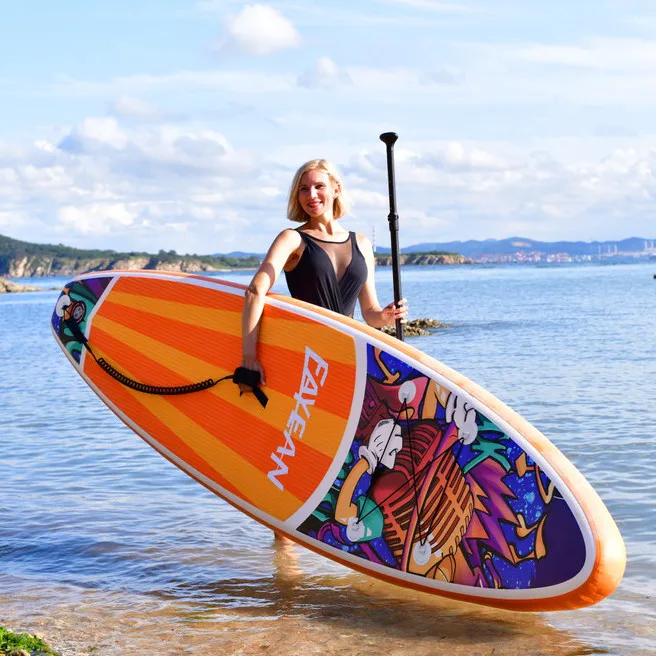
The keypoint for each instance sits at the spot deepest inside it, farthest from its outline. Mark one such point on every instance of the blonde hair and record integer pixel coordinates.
(342, 203)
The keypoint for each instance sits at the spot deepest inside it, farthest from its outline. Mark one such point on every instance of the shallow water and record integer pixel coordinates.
(106, 545)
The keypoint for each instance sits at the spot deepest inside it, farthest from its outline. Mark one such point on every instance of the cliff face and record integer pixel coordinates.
(29, 266)
(423, 258)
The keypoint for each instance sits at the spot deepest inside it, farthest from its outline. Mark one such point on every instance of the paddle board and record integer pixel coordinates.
(368, 451)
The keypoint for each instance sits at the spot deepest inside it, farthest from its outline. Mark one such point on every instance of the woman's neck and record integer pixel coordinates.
(324, 225)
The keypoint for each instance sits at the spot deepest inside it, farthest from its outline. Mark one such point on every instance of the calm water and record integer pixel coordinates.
(104, 545)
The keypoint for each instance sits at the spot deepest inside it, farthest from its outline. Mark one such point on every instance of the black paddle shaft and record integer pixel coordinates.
(389, 139)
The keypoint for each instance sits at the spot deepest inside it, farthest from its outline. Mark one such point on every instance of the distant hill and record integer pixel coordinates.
(473, 248)
(240, 255)
(21, 259)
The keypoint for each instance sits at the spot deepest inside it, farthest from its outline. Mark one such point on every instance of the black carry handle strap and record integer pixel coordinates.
(250, 377)
(241, 376)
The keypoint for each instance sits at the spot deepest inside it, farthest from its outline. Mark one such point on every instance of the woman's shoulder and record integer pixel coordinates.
(363, 241)
(288, 235)
(286, 241)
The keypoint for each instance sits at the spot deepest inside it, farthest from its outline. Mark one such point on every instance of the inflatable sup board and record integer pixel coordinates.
(366, 451)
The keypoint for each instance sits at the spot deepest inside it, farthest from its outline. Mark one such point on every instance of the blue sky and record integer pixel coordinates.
(179, 123)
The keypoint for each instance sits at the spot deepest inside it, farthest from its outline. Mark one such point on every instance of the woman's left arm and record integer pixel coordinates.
(372, 313)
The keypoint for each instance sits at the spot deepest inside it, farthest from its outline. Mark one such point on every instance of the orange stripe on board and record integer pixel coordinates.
(177, 291)
(256, 440)
(236, 471)
(221, 353)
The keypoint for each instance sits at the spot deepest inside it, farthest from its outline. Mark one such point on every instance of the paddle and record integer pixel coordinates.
(389, 139)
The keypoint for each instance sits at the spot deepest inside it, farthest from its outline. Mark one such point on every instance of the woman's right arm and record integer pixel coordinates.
(283, 246)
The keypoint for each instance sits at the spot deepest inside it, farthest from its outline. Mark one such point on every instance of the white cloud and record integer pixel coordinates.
(261, 30)
(454, 156)
(46, 146)
(162, 179)
(467, 184)
(103, 129)
(190, 188)
(363, 198)
(96, 218)
(95, 133)
(325, 74)
(54, 181)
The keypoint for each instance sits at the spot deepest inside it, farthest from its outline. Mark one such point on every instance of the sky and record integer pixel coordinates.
(178, 124)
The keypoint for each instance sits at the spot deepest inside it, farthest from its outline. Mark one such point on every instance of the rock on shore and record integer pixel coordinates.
(8, 287)
(423, 259)
(416, 327)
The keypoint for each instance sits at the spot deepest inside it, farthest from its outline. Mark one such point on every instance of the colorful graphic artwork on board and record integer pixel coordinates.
(432, 487)
(75, 304)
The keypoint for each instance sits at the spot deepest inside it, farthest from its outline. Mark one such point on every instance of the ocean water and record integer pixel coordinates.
(106, 547)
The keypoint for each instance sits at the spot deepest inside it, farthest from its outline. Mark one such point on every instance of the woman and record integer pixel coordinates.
(324, 264)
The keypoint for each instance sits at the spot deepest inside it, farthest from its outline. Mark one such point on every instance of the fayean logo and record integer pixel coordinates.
(315, 371)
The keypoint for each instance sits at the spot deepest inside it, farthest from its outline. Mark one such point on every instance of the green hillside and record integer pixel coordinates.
(13, 249)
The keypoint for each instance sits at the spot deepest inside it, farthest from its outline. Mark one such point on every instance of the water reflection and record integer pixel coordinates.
(354, 611)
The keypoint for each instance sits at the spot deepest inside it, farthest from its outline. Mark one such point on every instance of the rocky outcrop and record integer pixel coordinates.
(416, 327)
(34, 266)
(9, 287)
(423, 258)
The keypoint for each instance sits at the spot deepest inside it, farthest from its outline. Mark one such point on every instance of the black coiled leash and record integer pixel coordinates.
(242, 376)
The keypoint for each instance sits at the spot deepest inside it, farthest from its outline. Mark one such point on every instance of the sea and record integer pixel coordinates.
(106, 548)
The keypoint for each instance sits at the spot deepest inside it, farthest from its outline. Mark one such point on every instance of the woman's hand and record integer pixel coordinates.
(390, 313)
(254, 365)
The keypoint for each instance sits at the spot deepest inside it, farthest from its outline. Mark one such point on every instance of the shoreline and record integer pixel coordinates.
(356, 614)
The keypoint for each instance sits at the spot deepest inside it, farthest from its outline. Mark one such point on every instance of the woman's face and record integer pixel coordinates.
(317, 193)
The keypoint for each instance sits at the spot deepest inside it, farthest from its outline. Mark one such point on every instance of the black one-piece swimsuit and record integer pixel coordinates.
(314, 279)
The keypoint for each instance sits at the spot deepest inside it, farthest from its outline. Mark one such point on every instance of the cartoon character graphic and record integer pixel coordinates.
(75, 303)
(364, 518)
(433, 488)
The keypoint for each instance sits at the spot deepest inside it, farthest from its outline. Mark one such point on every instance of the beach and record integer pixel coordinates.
(349, 615)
